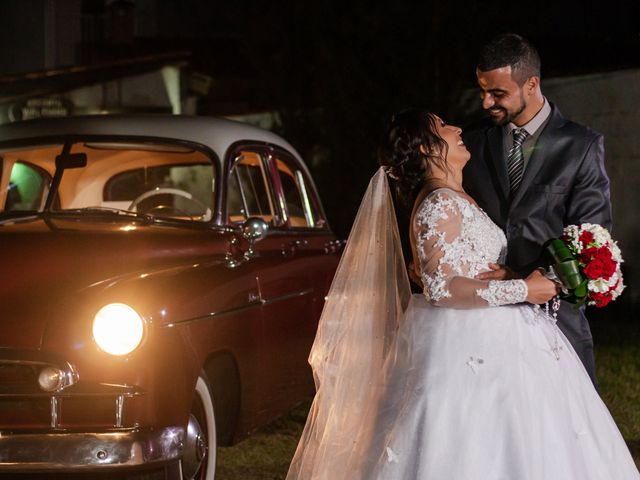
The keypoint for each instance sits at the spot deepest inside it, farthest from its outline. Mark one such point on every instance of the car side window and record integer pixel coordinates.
(247, 189)
(300, 210)
(28, 187)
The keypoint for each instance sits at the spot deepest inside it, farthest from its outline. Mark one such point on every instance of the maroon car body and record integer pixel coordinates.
(212, 233)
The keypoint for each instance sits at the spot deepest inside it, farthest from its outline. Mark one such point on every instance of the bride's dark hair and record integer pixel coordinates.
(401, 154)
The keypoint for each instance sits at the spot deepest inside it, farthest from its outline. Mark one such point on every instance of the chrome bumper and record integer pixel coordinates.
(96, 451)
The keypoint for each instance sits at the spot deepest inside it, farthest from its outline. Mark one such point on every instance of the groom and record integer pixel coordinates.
(533, 171)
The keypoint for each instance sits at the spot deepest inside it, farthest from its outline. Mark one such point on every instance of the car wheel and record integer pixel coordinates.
(199, 455)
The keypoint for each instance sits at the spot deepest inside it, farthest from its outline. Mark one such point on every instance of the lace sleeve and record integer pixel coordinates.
(448, 245)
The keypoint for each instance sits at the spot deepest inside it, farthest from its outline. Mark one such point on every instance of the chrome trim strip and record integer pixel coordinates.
(119, 409)
(222, 313)
(308, 213)
(64, 395)
(287, 296)
(66, 451)
(248, 306)
(55, 412)
(80, 389)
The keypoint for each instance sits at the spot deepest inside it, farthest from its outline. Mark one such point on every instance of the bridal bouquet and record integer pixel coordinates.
(587, 262)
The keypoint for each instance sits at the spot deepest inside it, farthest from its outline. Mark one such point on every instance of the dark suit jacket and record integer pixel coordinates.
(564, 183)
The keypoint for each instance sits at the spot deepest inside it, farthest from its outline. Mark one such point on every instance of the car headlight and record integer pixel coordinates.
(118, 329)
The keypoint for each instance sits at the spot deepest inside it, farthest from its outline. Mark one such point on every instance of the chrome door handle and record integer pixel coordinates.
(292, 246)
(334, 246)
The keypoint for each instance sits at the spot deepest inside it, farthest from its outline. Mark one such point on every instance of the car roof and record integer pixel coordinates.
(216, 133)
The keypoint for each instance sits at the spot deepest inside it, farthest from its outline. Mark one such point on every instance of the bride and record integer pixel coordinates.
(469, 380)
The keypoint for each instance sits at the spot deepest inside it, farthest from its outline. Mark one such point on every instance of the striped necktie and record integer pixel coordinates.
(515, 160)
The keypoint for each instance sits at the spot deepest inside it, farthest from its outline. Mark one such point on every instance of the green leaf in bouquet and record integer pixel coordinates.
(557, 251)
(567, 268)
(569, 274)
(578, 296)
(581, 290)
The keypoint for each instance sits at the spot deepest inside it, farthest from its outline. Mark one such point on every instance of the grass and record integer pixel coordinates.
(267, 453)
(617, 338)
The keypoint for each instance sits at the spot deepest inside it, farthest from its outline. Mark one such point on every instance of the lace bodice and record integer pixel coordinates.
(455, 241)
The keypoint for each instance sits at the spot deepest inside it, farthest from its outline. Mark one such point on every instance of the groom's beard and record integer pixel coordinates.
(508, 116)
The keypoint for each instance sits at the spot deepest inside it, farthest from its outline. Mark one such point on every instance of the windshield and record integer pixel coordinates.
(161, 180)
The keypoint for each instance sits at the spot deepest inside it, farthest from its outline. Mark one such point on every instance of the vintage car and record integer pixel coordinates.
(162, 279)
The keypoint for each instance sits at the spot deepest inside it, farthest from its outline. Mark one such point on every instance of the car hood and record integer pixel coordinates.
(53, 266)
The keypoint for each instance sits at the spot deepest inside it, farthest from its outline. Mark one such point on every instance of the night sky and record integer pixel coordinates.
(335, 71)
(338, 72)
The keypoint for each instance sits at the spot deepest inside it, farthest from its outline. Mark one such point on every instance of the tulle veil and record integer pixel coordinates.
(355, 338)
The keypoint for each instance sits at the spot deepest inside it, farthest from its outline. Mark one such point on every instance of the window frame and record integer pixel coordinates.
(233, 176)
(309, 198)
(269, 152)
(262, 151)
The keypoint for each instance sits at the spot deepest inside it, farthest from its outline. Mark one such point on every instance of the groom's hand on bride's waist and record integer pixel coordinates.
(498, 272)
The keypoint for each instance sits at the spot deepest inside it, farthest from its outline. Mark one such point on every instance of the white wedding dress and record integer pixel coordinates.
(476, 384)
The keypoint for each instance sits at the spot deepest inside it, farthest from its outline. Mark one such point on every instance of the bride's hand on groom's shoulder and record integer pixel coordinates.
(498, 272)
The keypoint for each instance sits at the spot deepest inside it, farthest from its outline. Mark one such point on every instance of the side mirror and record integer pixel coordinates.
(254, 229)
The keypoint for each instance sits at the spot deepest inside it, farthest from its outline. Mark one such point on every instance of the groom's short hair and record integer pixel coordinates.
(511, 50)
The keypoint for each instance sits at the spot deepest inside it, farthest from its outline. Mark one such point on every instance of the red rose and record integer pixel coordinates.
(608, 265)
(588, 254)
(598, 263)
(601, 299)
(599, 268)
(594, 270)
(586, 237)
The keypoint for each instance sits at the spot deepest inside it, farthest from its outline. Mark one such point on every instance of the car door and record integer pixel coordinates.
(297, 289)
(249, 194)
(293, 266)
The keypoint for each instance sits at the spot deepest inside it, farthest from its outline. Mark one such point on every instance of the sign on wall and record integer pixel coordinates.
(40, 107)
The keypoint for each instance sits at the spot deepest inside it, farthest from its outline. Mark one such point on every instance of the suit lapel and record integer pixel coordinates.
(541, 154)
(495, 140)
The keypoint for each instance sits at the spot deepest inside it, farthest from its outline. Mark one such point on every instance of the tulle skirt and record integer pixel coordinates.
(486, 394)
